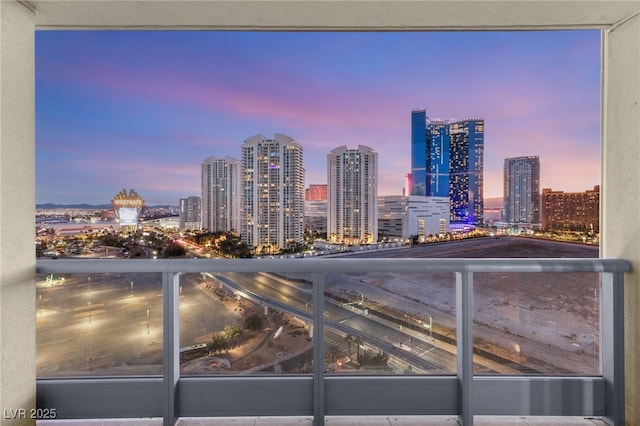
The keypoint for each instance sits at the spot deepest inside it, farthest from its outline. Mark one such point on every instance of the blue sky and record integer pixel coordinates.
(142, 110)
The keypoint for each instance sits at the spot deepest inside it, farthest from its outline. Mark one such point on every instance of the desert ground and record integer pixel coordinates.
(546, 322)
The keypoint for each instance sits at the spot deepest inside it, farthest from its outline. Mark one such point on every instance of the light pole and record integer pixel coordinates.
(430, 326)
(147, 320)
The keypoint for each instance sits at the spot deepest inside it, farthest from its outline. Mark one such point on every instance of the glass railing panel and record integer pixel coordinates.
(107, 324)
(245, 323)
(537, 323)
(390, 323)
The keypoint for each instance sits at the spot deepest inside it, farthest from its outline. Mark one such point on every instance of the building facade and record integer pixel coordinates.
(272, 193)
(571, 211)
(317, 192)
(128, 206)
(447, 160)
(190, 213)
(352, 178)
(404, 217)
(220, 197)
(522, 190)
(315, 216)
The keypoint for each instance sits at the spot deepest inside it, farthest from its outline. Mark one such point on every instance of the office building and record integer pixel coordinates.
(522, 190)
(403, 217)
(447, 161)
(190, 213)
(221, 194)
(352, 177)
(571, 211)
(272, 194)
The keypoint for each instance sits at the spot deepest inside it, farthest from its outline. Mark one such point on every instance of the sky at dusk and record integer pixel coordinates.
(142, 110)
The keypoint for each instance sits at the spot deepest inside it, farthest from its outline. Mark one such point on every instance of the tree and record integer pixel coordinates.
(253, 322)
(333, 352)
(349, 339)
(218, 343)
(233, 333)
(174, 250)
(358, 341)
(369, 358)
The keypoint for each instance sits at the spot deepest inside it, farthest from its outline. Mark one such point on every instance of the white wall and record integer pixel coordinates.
(17, 209)
(620, 195)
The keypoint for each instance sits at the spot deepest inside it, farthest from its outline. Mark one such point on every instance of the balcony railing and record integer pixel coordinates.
(462, 392)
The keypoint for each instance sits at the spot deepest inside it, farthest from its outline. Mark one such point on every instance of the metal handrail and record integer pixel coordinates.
(324, 265)
(606, 393)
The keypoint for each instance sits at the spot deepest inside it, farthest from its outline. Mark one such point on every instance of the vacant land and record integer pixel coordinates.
(547, 321)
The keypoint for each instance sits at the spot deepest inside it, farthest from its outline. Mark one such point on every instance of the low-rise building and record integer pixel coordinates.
(402, 217)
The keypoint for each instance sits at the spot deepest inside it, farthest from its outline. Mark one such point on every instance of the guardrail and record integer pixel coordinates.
(465, 395)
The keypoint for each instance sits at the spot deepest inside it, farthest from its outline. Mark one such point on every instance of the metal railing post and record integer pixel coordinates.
(318, 349)
(464, 350)
(612, 345)
(170, 346)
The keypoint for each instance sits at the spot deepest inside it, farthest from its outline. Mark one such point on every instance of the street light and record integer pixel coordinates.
(430, 326)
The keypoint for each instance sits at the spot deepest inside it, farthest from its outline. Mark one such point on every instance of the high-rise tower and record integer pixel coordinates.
(220, 198)
(272, 193)
(352, 178)
(447, 160)
(522, 190)
(190, 213)
(418, 152)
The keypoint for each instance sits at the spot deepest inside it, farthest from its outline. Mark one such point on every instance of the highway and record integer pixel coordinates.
(294, 298)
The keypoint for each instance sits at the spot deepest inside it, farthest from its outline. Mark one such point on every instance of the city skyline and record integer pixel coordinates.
(143, 109)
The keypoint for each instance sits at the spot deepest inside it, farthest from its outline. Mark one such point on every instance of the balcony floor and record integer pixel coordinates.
(339, 421)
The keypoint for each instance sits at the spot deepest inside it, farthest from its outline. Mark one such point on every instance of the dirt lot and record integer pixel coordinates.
(258, 350)
(548, 321)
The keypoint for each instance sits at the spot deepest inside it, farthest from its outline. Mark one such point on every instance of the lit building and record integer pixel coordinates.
(352, 176)
(190, 213)
(571, 211)
(127, 207)
(493, 214)
(522, 190)
(408, 184)
(316, 193)
(447, 160)
(315, 215)
(402, 217)
(272, 193)
(220, 197)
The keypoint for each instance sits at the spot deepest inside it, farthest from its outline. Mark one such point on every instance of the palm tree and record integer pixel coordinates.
(333, 352)
(358, 342)
(348, 338)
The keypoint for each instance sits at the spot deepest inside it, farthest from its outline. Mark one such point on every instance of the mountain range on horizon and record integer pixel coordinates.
(50, 206)
(492, 203)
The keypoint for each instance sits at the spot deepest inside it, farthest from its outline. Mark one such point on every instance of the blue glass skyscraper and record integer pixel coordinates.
(438, 155)
(418, 152)
(447, 160)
